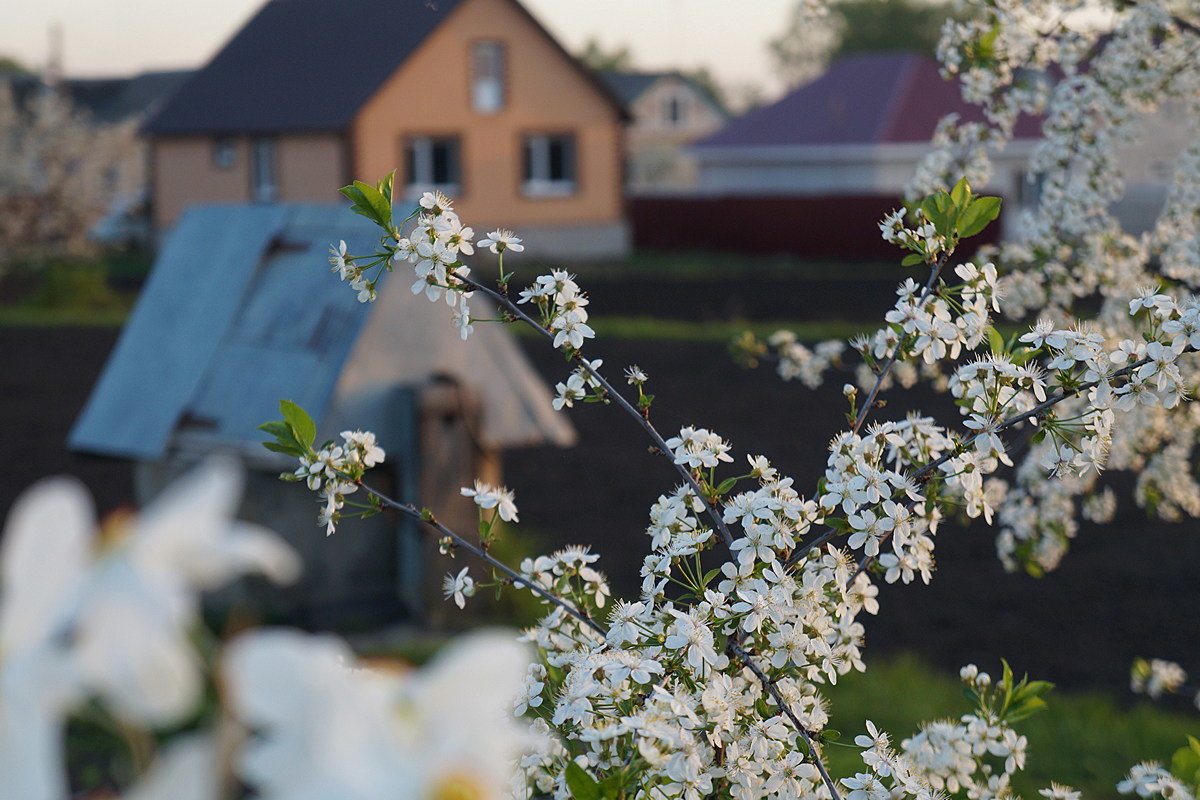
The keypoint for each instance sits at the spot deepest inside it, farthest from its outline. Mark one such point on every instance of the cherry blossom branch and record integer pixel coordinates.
(744, 656)
(924, 472)
(415, 513)
(660, 443)
(714, 513)
(883, 373)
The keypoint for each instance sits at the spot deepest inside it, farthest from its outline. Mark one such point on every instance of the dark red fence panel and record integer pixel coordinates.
(841, 227)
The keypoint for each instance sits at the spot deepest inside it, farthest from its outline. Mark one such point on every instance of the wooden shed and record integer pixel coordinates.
(241, 311)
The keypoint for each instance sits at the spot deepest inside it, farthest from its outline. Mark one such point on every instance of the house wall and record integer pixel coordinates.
(1148, 166)
(430, 95)
(880, 170)
(310, 168)
(655, 147)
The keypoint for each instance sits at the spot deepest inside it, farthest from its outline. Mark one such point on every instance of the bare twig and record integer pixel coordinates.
(660, 443)
(415, 513)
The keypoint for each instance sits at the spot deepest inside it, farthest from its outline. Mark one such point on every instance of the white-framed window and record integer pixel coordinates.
(263, 170)
(1029, 189)
(549, 165)
(487, 76)
(675, 109)
(224, 152)
(433, 162)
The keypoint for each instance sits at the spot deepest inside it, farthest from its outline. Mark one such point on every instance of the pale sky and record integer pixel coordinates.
(115, 37)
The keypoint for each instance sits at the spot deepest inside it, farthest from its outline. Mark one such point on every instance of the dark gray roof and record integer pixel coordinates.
(629, 85)
(140, 94)
(300, 65)
(108, 100)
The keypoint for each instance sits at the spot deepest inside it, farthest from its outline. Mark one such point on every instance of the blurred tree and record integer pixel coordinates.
(57, 175)
(855, 26)
(703, 77)
(600, 58)
(11, 66)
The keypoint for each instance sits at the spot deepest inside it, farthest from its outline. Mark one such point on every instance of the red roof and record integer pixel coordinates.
(872, 98)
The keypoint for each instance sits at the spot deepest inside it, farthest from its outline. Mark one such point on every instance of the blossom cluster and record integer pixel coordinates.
(334, 471)
(709, 683)
(1100, 90)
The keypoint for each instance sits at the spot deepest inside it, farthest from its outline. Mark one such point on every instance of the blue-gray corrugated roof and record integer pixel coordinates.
(241, 310)
(237, 314)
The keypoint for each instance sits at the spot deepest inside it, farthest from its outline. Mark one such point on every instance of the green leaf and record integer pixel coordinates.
(358, 200)
(385, 186)
(1035, 689)
(1026, 709)
(277, 428)
(381, 208)
(370, 202)
(980, 212)
(995, 341)
(612, 785)
(1019, 357)
(582, 785)
(304, 429)
(911, 259)
(961, 193)
(726, 485)
(985, 46)
(286, 449)
(1185, 765)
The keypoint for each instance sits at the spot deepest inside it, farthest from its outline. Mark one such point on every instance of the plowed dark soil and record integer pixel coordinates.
(1126, 589)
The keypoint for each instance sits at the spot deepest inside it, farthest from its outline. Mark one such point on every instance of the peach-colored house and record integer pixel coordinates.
(473, 97)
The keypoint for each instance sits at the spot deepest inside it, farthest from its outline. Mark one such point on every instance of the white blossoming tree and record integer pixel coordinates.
(56, 168)
(710, 682)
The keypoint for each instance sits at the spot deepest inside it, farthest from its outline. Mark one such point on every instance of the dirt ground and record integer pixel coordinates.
(1127, 589)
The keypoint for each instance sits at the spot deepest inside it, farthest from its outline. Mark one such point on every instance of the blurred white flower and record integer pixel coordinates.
(328, 727)
(111, 618)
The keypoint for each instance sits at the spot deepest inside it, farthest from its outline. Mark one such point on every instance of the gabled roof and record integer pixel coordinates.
(628, 85)
(301, 65)
(107, 100)
(874, 98)
(310, 65)
(241, 311)
(141, 94)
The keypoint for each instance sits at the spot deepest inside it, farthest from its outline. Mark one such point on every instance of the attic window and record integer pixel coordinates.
(487, 76)
(675, 110)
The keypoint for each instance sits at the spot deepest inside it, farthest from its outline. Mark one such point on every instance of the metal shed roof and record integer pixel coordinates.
(241, 310)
